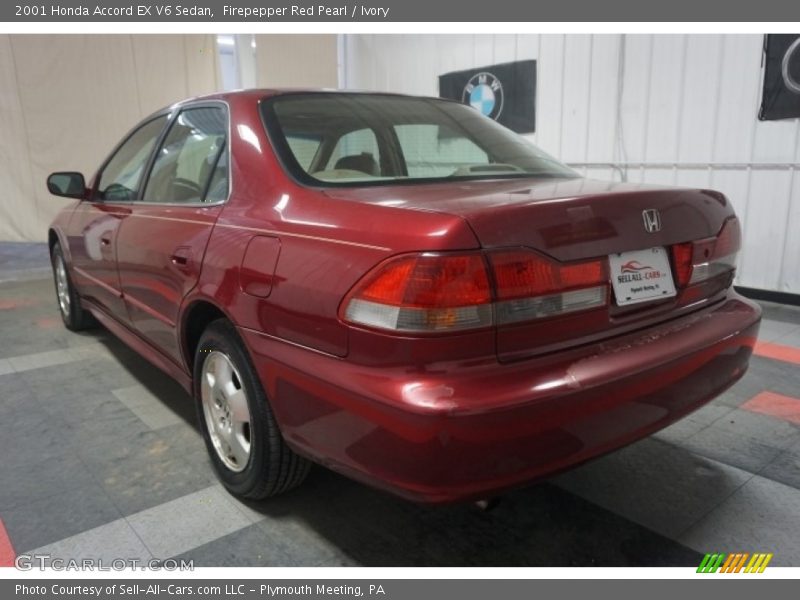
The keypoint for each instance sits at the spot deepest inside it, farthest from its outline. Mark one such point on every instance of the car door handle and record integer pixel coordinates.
(181, 258)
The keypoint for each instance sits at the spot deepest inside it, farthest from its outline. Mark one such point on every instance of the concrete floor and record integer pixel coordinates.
(101, 457)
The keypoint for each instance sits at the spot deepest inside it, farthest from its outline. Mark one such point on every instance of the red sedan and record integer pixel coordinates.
(400, 289)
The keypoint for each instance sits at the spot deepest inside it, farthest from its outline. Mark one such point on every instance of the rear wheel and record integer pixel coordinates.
(69, 303)
(240, 431)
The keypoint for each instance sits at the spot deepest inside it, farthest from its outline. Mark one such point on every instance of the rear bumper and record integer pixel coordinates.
(459, 432)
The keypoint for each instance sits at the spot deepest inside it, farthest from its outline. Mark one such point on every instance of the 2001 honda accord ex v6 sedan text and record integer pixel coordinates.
(400, 289)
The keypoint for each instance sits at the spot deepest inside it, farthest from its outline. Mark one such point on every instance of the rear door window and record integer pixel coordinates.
(191, 158)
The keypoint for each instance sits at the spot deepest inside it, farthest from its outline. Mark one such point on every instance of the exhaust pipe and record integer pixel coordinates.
(486, 504)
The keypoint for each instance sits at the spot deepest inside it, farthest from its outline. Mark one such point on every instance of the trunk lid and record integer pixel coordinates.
(568, 219)
(571, 220)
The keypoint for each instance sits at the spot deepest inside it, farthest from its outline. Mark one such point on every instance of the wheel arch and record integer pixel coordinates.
(54, 235)
(197, 315)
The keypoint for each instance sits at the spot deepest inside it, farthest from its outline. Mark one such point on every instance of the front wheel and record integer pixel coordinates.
(69, 303)
(240, 431)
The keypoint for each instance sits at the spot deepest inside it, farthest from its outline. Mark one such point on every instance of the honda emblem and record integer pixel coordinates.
(652, 220)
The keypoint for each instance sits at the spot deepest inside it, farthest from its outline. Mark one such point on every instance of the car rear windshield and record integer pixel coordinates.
(340, 139)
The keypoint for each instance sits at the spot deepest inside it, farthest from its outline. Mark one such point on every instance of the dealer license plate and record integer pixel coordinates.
(641, 276)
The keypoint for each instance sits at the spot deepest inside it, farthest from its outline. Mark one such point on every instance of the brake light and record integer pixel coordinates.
(452, 292)
(530, 286)
(424, 292)
(682, 259)
(701, 260)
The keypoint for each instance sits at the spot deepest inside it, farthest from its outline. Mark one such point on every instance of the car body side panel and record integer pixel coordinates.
(92, 236)
(61, 227)
(326, 245)
(160, 250)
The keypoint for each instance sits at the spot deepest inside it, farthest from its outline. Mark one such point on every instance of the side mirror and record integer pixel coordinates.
(68, 184)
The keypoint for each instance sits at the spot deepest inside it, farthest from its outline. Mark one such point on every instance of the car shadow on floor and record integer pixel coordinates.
(331, 518)
(168, 391)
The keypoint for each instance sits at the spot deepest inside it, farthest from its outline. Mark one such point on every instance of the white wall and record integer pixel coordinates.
(66, 100)
(686, 116)
(297, 60)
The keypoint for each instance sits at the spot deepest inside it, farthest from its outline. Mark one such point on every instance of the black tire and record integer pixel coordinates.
(272, 468)
(75, 317)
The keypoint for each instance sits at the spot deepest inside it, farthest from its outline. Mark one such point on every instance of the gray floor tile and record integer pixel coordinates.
(785, 468)
(185, 523)
(765, 374)
(147, 476)
(76, 379)
(185, 437)
(46, 520)
(76, 410)
(34, 480)
(735, 397)
(29, 436)
(767, 430)
(15, 392)
(772, 330)
(693, 423)
(115, 433)
(731, 448)
(780, 312)
(17, 258)
(673, 488)
(51, 358)
(299, 544)
(152, 408)
(248, 547)
(790, 338)
(762, 516)
(710, 413)
(111, 431)
(679, 431)
(115, 540)
(5, 366)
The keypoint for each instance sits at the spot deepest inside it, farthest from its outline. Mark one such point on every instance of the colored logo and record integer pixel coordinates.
(652, 220)
(633, 266)
(484, 93)
(735, 563)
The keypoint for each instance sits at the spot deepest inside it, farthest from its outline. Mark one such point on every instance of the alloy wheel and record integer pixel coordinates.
(226, 411)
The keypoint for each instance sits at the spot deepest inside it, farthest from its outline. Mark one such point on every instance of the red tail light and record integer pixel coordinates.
(523, 273)
(451, 292)
(682, 259)
(530, 286)
(701, 260)
(424, 292)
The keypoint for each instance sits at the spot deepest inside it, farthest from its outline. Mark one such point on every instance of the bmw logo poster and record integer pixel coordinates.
(780, 98)
(484, 92)
(504, 92)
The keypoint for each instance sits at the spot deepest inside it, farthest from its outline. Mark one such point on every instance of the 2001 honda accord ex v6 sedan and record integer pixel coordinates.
(400, 289)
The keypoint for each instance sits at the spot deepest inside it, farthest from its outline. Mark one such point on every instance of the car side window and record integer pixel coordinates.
(122, 175)
(191, 165)
(304, 148)
(218, 186)
(356, 151)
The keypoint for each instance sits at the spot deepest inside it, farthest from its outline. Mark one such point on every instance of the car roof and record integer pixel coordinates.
(259, 93)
